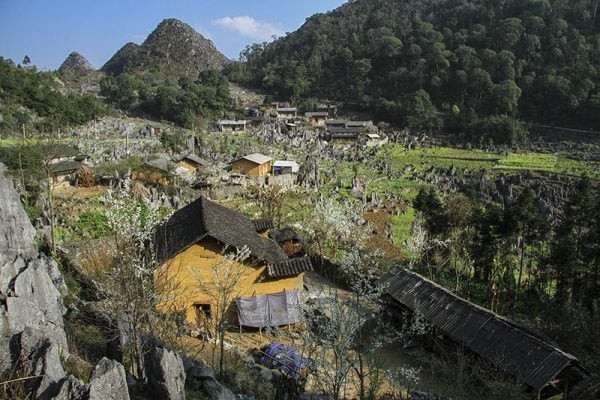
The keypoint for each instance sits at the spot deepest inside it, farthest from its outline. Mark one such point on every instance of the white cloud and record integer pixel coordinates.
(249, 27)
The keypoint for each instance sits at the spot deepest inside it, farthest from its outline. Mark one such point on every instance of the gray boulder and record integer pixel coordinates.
(201, 377)
(36, 303)
(166, 374)
(41, 359)
(72, 389)
(16, 232)
(108, 381)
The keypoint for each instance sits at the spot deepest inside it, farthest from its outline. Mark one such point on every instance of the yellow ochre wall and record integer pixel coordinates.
(187, 165)
(250, 168)
(180, 277)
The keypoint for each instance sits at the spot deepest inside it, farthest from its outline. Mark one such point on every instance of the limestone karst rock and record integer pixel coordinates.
(174, 49)
(76, 63)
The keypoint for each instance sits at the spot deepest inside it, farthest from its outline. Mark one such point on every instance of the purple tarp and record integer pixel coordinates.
(284, 358)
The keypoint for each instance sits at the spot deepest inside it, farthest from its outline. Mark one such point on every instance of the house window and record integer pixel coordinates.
(203, 312)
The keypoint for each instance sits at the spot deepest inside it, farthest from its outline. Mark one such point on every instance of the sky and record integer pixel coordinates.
(49, 30)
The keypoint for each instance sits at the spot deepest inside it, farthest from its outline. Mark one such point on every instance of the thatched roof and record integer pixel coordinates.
(204, 218)
(511, 347)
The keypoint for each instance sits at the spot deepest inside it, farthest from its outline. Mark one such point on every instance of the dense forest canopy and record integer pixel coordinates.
(475, 67)
(33, 99)
(183, 102)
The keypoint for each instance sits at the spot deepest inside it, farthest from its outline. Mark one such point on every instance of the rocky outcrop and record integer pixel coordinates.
(33, 341)
(16, 232)
(108, 381)
(166, 374)
(75, 63)
(35, 302)
(38, 355)
(174, 49)
(200, 377)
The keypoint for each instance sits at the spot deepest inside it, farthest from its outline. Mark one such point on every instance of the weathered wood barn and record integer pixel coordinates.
(512, 348)
(191, 243)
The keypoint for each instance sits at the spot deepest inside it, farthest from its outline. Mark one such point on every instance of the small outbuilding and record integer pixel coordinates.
(231, 125)
(253, 165)
(512, 348)
(285, 167)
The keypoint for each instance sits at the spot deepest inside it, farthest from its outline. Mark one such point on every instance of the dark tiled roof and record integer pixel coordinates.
(290, 267)
(283, 235)
(65, 167)
(509, 346)
(263, 224)
(348, 130)
(59, 150)
(204, 218)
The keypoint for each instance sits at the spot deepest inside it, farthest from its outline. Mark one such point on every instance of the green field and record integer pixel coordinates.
(444, 157)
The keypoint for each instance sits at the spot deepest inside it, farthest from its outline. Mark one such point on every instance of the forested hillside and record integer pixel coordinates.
(475, 67)
(33, 100)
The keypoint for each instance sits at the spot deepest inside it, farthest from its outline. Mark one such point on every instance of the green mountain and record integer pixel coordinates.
(472, 66)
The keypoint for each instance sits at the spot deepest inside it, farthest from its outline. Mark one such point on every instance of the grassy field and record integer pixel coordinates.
(444, 157)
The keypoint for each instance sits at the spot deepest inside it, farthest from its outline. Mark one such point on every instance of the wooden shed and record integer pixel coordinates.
(190, 245)
(512, 348)
(253, 165)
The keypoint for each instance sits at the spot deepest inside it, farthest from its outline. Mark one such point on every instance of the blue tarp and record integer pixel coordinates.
(284, 358)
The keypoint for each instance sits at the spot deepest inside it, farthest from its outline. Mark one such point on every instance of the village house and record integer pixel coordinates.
(510, 347)
(317, 118)
(158, 170)
(335, 123)
(192, 163)
(191, 244)
(63, 170)
(252, 165)
(287, 112)
(362, 124)
(343, 135)
(231, 125)
(330, 109)
(62, 161)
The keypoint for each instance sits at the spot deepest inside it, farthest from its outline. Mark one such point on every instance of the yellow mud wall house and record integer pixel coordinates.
(190, 245)
(253, 165)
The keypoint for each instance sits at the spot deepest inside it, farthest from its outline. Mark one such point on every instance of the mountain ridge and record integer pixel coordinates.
(173, 49)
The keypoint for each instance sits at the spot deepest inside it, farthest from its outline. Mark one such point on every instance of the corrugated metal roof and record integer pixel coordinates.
(511, 347)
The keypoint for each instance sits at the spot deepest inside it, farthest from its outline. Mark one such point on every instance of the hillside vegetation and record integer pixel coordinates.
(30, 99)
(475, 68)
